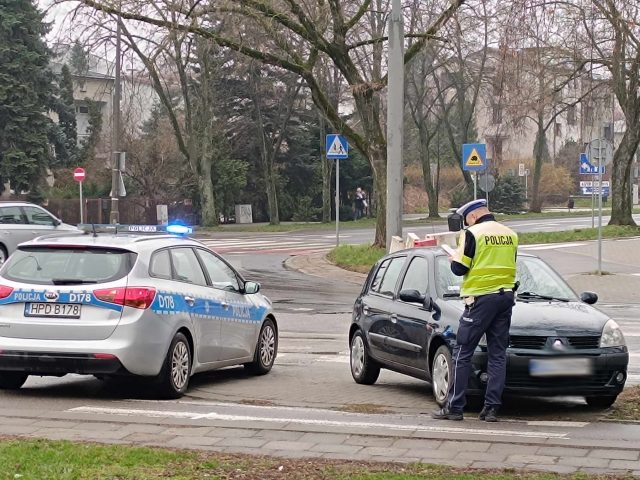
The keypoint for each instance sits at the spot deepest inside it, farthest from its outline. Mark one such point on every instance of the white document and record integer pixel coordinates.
(450, 251)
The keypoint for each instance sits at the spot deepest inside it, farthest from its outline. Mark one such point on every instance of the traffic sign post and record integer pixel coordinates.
(337, 148)
(474, 159)
(79, 175)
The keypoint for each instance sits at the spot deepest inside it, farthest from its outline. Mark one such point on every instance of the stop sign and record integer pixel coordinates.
(79, 174)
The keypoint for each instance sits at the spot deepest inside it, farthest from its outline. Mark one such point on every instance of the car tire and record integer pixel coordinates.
(603, 401)
(173, 379)
(12, 380)
(364, 369)
(3, 254)
(441, 374)
(266, 350)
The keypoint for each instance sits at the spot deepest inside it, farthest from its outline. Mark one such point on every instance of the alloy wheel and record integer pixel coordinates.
(180, 365)
(440, 377)
(357, 356)
(267, 345)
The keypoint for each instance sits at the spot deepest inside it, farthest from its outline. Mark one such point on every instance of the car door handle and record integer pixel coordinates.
(225, 305)
(394, 318)
(190, 300)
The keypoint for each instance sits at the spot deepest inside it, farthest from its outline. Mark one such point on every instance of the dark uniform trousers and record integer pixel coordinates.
(491, 315)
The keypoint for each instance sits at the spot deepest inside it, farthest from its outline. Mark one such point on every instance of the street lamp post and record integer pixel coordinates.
(395, 122)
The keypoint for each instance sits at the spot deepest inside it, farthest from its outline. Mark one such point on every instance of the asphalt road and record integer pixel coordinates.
(312, 368)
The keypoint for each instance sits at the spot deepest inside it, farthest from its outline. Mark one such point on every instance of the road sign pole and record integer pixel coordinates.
(337, 202)
(81, 204)
(600, 207)
(475, 185)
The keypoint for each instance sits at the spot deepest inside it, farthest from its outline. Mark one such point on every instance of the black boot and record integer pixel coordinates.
(445, 414)
(488, 414)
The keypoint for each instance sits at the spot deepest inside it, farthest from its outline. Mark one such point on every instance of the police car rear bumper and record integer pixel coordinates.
(51, 363)
(607, 377)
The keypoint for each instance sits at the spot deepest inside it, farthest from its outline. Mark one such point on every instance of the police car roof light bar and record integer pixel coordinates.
(96, 228)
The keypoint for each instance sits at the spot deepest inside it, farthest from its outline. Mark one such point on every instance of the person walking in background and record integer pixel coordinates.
(486, 258)
(360, 202)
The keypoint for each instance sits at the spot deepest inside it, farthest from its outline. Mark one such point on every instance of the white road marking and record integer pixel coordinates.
(306, 421)
(559, 424)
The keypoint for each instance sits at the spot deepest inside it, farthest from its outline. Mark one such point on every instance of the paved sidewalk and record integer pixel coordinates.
(561, 447)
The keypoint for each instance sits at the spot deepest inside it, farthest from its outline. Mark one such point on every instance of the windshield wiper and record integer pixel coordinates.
(71, 281)
(526, 295)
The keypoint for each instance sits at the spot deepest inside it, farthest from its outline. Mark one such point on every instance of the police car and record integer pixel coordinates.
(114, 300)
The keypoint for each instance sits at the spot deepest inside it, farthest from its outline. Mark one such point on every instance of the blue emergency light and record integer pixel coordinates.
(95, 228)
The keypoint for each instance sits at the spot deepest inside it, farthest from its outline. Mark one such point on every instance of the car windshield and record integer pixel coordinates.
(534, 275)
(67, 266)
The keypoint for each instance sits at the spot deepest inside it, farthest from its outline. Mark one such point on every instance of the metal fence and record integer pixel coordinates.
(138, 210)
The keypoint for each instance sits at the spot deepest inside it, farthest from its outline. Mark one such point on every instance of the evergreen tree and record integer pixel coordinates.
(67, 117)
(25, 93)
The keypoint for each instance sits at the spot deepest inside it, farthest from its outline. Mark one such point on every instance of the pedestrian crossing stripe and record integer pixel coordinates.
(474, 159)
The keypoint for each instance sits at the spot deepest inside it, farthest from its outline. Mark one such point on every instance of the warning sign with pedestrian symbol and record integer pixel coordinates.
(474, 157)
(337, 147)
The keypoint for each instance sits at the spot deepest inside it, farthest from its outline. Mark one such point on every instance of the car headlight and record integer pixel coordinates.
(612, 335)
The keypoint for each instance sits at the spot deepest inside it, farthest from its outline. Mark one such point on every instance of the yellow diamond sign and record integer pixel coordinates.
(474, 159)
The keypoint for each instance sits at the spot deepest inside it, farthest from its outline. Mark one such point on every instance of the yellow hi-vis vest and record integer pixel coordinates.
(494, 264)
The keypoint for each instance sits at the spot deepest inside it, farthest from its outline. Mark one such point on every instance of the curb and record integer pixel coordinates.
(318, 265)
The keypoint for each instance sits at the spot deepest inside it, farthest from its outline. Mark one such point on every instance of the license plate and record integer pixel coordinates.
(56, 310)
(560, 367)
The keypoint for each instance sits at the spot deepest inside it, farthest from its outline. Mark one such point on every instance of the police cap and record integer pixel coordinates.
(469, 207)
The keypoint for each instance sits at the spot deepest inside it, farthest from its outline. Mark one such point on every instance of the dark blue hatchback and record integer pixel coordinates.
(407, 314)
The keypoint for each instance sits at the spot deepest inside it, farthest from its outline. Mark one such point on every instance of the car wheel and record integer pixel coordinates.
(3, 254)
(441, 374)
(173, 380)
(604, 401)
(266, 350)
(12, 380)
(364, 369)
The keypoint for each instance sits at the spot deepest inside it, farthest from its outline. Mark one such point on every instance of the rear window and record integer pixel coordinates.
(68, 266)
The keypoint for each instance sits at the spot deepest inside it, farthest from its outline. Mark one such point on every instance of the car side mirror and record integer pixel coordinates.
(56, 222)
(589, 297)
(414, 296)
(251, 287)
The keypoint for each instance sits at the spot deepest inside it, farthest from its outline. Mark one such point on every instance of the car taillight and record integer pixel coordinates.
(5, 291)
(136, 297)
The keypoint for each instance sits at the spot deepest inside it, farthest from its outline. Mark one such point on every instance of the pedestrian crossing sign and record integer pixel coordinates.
(337, 147)
(474, 157)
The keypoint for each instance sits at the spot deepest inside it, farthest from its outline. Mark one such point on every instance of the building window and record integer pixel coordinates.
(496, 115)
(558, 129)
(571, 115)
(82, 109)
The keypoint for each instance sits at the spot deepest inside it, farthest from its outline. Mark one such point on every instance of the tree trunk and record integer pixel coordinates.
(272, 193)
(208, 206)
(621, 202)
(326, 173)
(539, 151)
(427, 174)
(378, 158)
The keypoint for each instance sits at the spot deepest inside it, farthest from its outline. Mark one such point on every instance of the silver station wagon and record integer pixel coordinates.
(24, 221)
(129, 303)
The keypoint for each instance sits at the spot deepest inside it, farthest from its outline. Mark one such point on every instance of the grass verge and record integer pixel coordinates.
(30, 459)
(360, 258)
(627, 407)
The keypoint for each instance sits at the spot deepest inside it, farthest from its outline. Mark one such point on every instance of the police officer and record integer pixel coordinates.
(486, 258)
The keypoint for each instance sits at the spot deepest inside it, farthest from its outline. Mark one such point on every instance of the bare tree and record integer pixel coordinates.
(612, 35)
(295, 34)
